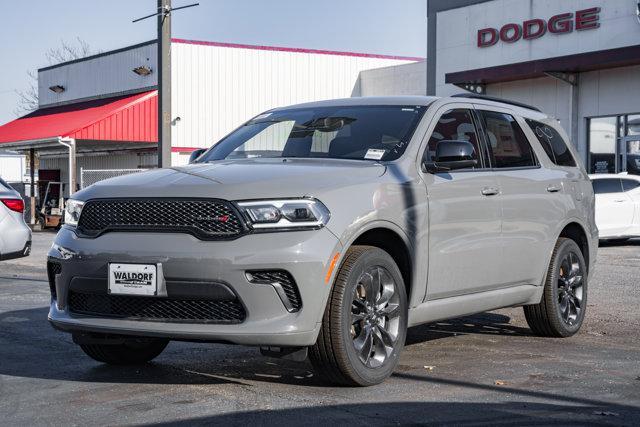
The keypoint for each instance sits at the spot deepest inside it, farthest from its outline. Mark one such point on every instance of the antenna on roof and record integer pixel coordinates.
(164, 78)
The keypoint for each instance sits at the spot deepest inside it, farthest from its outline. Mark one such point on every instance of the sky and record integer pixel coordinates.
(31, 27)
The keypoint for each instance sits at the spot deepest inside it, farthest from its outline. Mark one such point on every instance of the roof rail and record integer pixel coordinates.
(495, 99)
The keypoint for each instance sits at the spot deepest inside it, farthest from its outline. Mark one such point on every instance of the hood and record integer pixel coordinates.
(238, 179)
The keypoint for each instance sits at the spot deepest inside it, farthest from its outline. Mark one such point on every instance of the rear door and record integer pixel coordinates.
(614, 208)
(533, 198)
(464, 213)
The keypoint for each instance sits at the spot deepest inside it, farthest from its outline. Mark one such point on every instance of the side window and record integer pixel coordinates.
(607, 185)
(454, 125)
(553, 144)
(508, 144)
(629, 184)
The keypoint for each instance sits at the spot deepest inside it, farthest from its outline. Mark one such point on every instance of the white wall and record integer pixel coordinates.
(408, 79)
(12, 167)
(95, 77)
(217, 88)
(457, 29)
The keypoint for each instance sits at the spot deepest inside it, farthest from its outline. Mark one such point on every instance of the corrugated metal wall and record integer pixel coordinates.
(217, 88)
(104, 74)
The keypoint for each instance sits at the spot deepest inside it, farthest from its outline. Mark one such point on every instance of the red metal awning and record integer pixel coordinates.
(130, 118)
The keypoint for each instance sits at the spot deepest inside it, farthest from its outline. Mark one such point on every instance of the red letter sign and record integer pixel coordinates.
(514, 29)
(587, 19)
(533, 28)
(487, 37)
(562, 23)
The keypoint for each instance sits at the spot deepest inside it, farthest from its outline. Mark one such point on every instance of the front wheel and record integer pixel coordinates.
(561, 311)
(365, 321)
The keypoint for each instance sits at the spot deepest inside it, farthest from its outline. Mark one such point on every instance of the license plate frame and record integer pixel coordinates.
(134, 279)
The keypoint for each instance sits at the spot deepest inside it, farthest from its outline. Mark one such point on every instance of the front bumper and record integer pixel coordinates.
(304, 254)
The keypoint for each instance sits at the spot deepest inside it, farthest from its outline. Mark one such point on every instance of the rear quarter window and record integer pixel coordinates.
(552, 143)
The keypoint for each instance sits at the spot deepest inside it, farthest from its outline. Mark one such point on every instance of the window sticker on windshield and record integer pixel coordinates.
(262, 116)
(374, 154)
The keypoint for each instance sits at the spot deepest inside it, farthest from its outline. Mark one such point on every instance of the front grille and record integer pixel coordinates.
(156, 309)
(285, 280)
(207, 219)
(53, 269)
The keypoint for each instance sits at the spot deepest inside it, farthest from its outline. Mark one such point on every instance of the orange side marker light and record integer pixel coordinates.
(332, 265)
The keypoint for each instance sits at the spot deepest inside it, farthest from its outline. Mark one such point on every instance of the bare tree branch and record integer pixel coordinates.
(28, 99)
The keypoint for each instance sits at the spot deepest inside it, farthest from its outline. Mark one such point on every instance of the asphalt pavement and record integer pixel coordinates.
(486, 369)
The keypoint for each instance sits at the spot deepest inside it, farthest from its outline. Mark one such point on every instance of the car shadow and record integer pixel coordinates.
(507, 413)
(30, 347)
(483, 323)
(616, 243)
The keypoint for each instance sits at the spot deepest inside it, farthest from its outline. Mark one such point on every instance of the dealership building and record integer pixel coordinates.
(578, 60)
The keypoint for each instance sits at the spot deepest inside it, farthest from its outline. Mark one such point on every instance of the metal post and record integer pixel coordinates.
(164, 83)
(32, 166)
(70, 143)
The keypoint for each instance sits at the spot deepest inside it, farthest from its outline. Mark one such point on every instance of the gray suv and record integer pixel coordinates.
(326, 229)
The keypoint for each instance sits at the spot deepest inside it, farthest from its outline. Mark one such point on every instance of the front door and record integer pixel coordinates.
(464, 214)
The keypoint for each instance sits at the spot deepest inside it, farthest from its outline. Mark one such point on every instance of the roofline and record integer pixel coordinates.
(98, 55)
(296, 50)
(238, 46)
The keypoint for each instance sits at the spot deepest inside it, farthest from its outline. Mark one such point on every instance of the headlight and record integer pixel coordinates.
(72, 212)
(292, 214)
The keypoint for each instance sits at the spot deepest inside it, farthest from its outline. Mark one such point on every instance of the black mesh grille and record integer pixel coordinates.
(206, 219)
(53, 269)
(286, 281)
(156, 309)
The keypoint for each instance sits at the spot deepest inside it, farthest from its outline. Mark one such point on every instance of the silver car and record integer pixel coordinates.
(326, 229)
(15, 234)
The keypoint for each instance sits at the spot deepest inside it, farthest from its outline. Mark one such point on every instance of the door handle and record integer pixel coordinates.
(619, 201)
(490, 191)
(553, 188)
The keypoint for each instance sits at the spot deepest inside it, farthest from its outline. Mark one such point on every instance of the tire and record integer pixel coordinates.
(351, 320)
(561, 311)
(131, 352)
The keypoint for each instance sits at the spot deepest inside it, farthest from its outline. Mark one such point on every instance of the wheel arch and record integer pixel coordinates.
(576, 232)
(395, 243)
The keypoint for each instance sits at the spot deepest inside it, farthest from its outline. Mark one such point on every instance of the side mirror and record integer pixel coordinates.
(195, 154)
(451, 155)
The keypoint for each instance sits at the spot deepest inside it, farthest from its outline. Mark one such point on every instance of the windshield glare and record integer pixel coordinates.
(355, 132)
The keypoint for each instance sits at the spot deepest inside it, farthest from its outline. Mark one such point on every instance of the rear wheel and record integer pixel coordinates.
(365, 321)
(131, 352)
(561, 311)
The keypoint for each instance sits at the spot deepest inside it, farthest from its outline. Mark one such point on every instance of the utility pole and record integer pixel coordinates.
(164, 79)
(164, 83)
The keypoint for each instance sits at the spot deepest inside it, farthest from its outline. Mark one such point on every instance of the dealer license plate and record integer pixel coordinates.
(133, 279)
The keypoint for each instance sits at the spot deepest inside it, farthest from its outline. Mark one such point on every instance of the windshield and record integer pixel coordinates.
(353, 132)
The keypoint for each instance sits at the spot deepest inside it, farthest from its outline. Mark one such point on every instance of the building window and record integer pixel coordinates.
(614, 144)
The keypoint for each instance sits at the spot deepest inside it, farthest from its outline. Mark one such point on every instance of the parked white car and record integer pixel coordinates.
(617, 205)
(15, 235)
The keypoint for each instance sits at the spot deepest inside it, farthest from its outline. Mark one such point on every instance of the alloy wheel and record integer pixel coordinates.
(570, 288)
(375, 316)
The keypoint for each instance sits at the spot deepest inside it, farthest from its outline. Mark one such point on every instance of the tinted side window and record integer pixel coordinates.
(607, 185)
(456, 125)
(553, 144)
(629, 184)
(508, 144)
